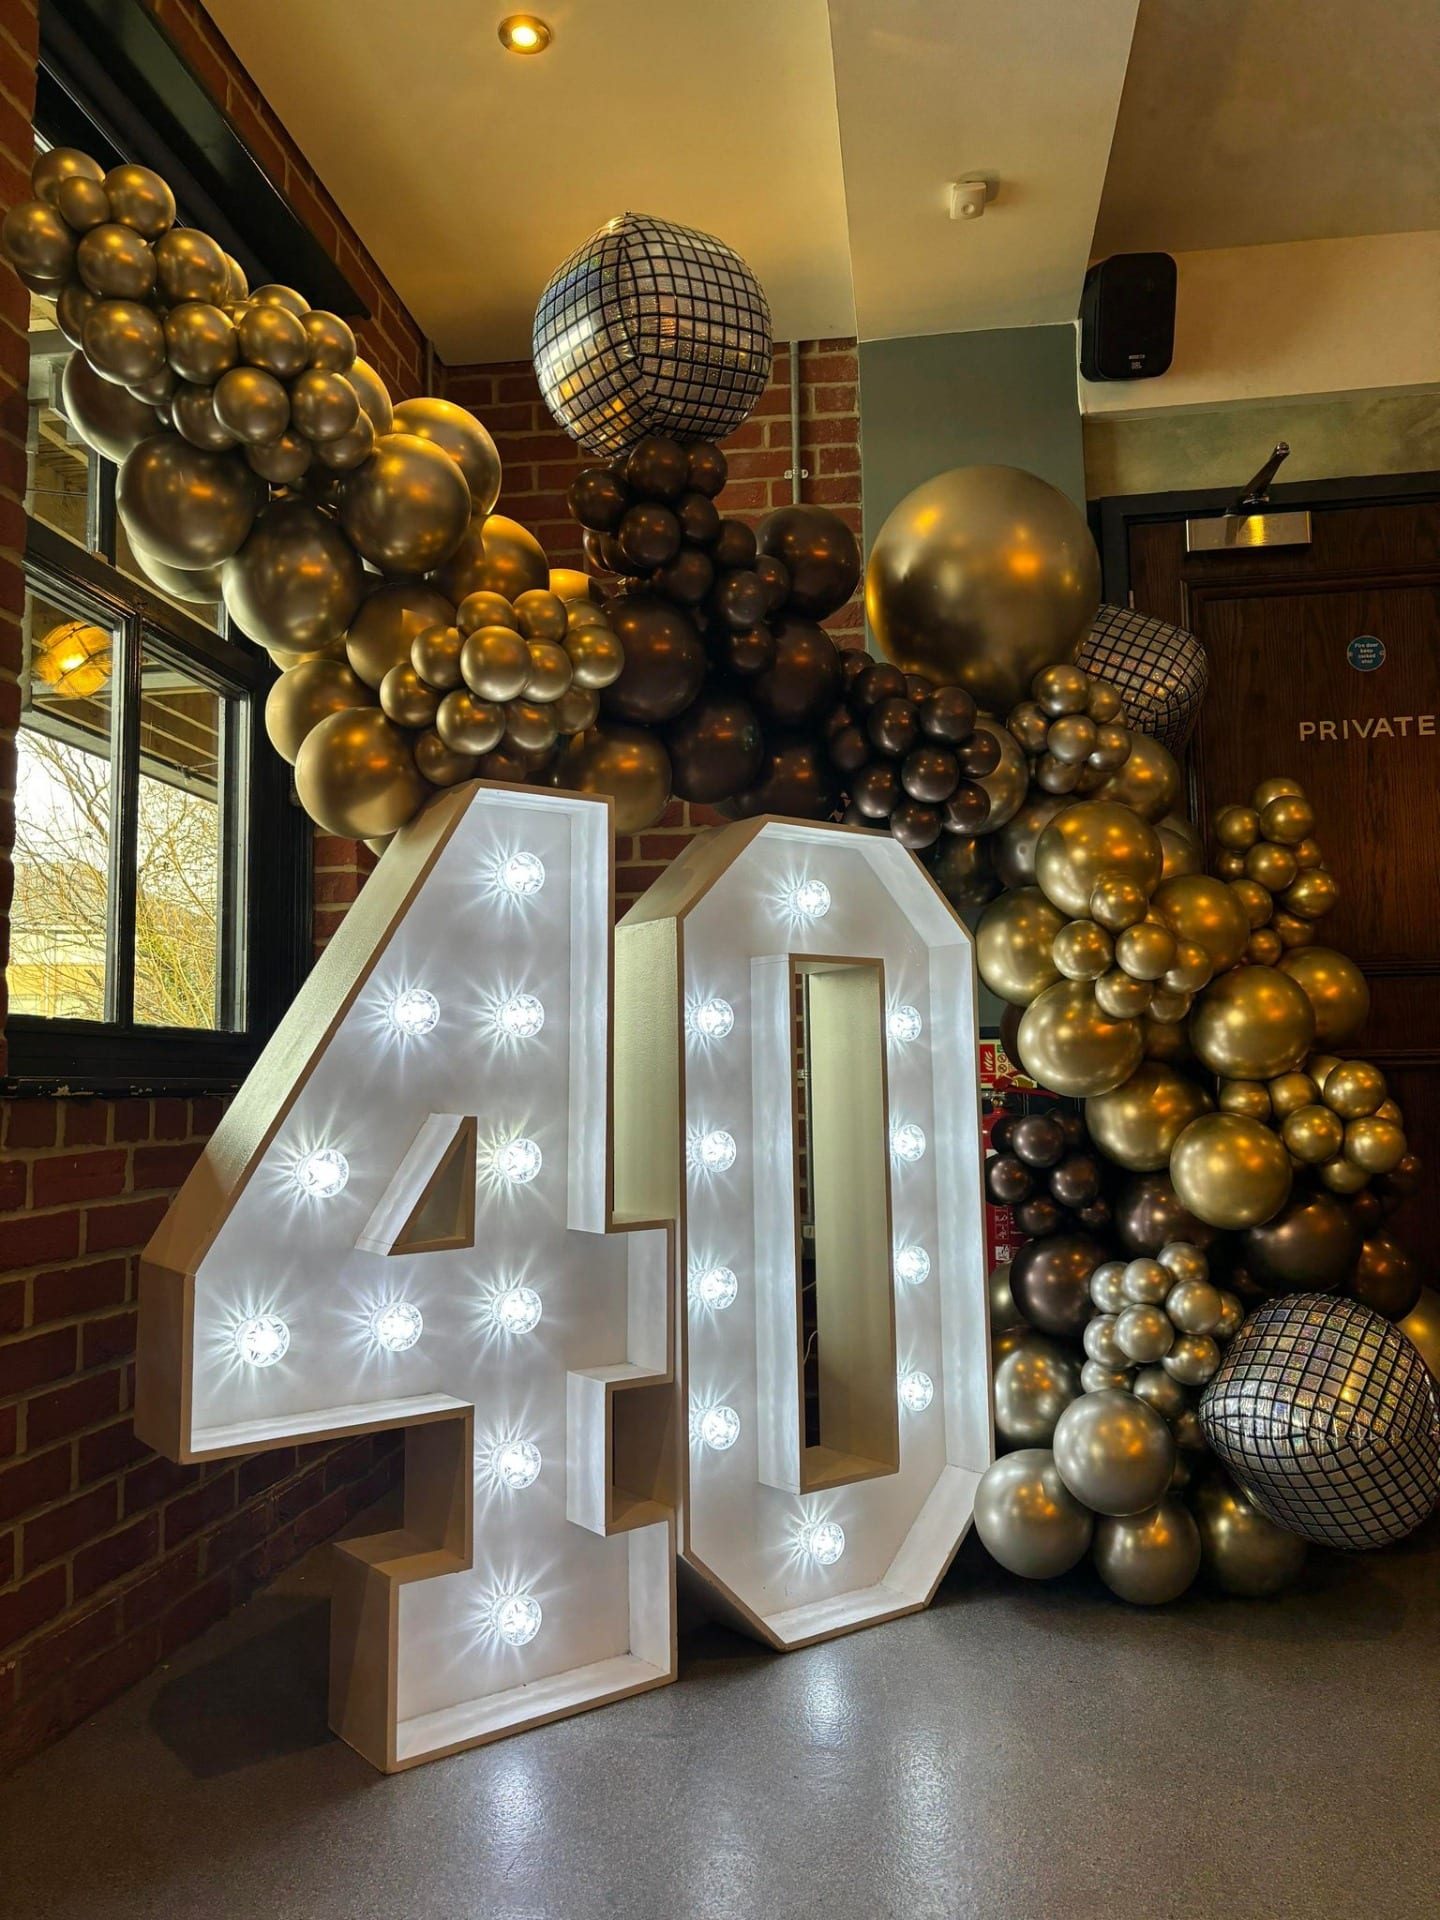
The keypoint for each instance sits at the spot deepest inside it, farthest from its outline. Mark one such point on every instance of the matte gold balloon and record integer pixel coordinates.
(406, 699)
(1230, 1171)
(1145, 951)
(282, 461)
(1205, 912)
(1376, 1145)
(596, 656)
(58, 164)
(629, 764)
(330, 345)
(384, 629)
(495, 663)
(983, 575)
(139, 198)
(1137, 1123)
(1353, 1089)
(350, 449)
(1279, 788)
(1090, 841)
(1252, 1024)
(273, 339)
(1081, 950)
(1148, 781)
(189, 265)
(296, 583)
(485, 609)
(306, 694)
(1250, 1097)
(116, 263)
(495, 555)
(356, 775)
(1237, 828)
(324, 405)
(373, 394)
(1013, 945)
(439, 764)
(577, 710)
(468, 724)
(1311, 894)
(1335, 988)
(407, 507)
(1270, 866)
(188, 507)
(201, 342)
(252, 404)
(468, 444)
(192, 411)
(530, 727)
(123, 341)
(38, 243)
(550, 672)
(1068, 1044)
(106, 417)
(1122, 997)
(272, 294)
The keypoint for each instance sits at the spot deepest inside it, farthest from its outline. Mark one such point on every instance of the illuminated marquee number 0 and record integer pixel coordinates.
(423, 1211)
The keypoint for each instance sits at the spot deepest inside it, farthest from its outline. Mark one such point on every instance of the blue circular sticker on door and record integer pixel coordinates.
(1365, 653)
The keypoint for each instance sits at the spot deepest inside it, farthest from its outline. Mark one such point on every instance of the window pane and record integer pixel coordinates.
(62, 825)
(178, 848)
(58, 477)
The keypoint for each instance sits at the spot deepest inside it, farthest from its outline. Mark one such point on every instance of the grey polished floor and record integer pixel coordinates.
(1017, 1753)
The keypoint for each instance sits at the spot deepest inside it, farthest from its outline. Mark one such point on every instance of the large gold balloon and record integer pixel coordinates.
(123, 341)
(37, 242)
(139, 198)
(1252, 1024)
(462, 436)
(1148, 780)
(1230, 1171)
(1335, 988)
(1013, 942)
(384, 629)
(1007, 786)
(1181, 846)
(495, 555)
(197, 585)
(408, 507)
(106, 417)
(1137, 1124)
(201, 341)
(296, 582)
(356, 775)
(1014, 844)
(373, 394)
(191, 266)
(1421, 1327)
(1206, 913)
(252, 404)
(629, 764)
(116, 263)
(1093, 840)
(1070, 1046)
(983, 575)
(188, 507)
(571, 584)
(306, 694)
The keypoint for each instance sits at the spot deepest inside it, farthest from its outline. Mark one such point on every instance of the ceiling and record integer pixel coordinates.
(1245, 122)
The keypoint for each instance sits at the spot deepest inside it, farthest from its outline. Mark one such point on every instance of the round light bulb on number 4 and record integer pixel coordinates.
(516, 1618)
(262, 1340)
(917, 1390)
(522, 874)
(906, 1024)
(810, 899)
(518, 1162)
(717, 1288)
(720, 1428)
(713, 1019)
(823, 1540)
(517, 1310)
(912, 1265)
(907, 1142)
(322, 1174)
(414, 1012)
(521, 1017)
(516, 1464)
(397, 1325)
(716, 1152)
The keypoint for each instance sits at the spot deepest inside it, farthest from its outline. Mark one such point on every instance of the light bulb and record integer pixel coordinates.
(518, 1161)
(719, 1428)
(716, 1288)
(716, 1151)
(907, 1142)
(516, 1310)
(262, 1340)
(823, 1540)
(396, 1325)
(906, 1024)
(712, 1019)
(523, 33)
(810, 899)
(522, 874)
(917, 1390)
(516, 1618)
(515, 1464)
(414, 1012)
(322, 1174)
(521, 1017)
(912, 1265)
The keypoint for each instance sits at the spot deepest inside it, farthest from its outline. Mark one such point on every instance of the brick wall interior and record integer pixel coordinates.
(111, 1557)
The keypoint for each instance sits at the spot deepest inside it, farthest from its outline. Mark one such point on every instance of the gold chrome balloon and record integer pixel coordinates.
(1291, 932)
(1095, 840)
(1307, 854)
(1250, 1097)
(1068, 1044)
(1006, 786)
(330, 344)
(495, 663)
(296, 582)
(1252, 1024)
(1311, 894)
(406, 699)
(1061, 690)
(485, 609)
(1264, 947)
(272, 294)
(1376, 1145)
(1138, 1122)
(306, 694)
(629, 764)
(72, 304)
(1148, 781)
(983, 575)
(282, 461)
(1189, 971)
(58, 164)
(1181, 847)
(104, 415)
(188, 507)
(1335, 988)
(350, 449)
(324, 405)
(1353, 1089)
(1279, 788)
(1230, 865)
(441, 765)
(1166, 1004)
(356, 775)
(274, 339)
(189, 265)
(1287, 819)
(38, 244)
(550, 672)
(1013, 945)
(192, 411)
(83, 204)
(407, 507)
(202, 343)
(116, 263)
(1241, 1551)
(1421, 1327)
(1206, 913)
(1122, 997)
(577, 710)
(541, 615)
(1117, 903)
(252, 404)
(530, 727)
(1291, 1090)
(468, 444)
(1145, 951)
(373, 394)
(139, 198)
(435, 656)
(597, 657)
(469, 725)
(1255, 901)
(123, 341)
(1081, 949)
(495, 555)
(1343, 1176)
(1313, 1134)
(199, 586)
(1270, 866)
(1230, 1171)
(382, 632)
(1237, 828)
(571, 584)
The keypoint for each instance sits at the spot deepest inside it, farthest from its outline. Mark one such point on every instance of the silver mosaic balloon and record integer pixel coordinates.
(650, 327)
(1327, 1418)
(1161, 671)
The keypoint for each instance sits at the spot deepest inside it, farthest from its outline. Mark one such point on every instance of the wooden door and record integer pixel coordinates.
(1291, 692)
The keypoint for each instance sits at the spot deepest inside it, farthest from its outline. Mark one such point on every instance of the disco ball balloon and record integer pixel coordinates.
(650, 327)
(1161, 670)
(1327, 1418)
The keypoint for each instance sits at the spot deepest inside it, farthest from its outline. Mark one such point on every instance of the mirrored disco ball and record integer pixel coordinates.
(651, 328)
(1328, 1419)
(1161, 671)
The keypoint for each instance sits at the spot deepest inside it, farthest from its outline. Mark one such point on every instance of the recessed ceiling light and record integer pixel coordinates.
(523, 33)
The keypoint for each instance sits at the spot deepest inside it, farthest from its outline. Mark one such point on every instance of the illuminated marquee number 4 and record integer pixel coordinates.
(423, 1211)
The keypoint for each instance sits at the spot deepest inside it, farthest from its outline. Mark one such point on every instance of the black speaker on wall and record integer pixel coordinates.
(1127, 317)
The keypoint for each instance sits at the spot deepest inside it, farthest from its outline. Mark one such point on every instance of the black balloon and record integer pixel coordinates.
(820, 552)
(1050, 1280)
(967, 809)
(657, 467)
(777, 581)
(892, 726)
(1076, 1181)
(1385, 1279)
(916, 826)
(649, 535)
(734, 545)
(876, 682)
(1309, 1246)
(978, 756)
(748, 653)
(929, 774)
(849, 749)
(1001, 1128)
(964, 870)
(947, 715)
(793, 779)
(1039, 1216)
(875, 790)
(1038, 1140)
(715, 749)
(705, 469)
(1148, 1214)
(805, 680)
(699, 518)
(686, 579)
(740, 598)
(1008, 1181)
(853, 661)
(664, 660)
(597, 499)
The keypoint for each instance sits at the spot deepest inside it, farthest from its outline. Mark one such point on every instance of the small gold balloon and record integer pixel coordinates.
(485, 609)
(1311, 894)
(330, 344)
(1313, 1134)
(1104, 702)
(156, 388)
(187, 506)
(58, 164)
(38, 243)
(1230, 865)
(1292, 933)
(1255, 901)
(1181, 847)
(1081, 950)
(296, 583)
(1138, 1123)
(1166, 1004)
(1264, 947)
(1343, 1176)
(189, 265)
(577, 710)
(495, 663)
(435, 656)
(1270, 866)
(1189, 971)
(106, 417)
(469, 725)
(1252, 1024)
(1149, 780)
(1121, 996)
(252, 404)
(550, 672)
(324, 405)
(1230, 1171)
(1111, 749)
(83, 204)
(1117, 903)
(272, 294)
(541, 615)
(627, 763)
(439, 764)
(350, 449)
(306, 694)
(1205, 912)
(1013, 945)
(1055, 776)
(1067, 1042)
(271, 338)
(1237, 828)
(1145, 952)
(1287, 819)
(1164, 1040)
(460, 435)
(123, 341)
(1061, 689)
(1374, 1144)
(192, 409)
(1071, 739)
(406, 508)
(1319, 1067)
(139, 198)
(497, 555)
(406, 699)
(282, 461)
(1029, 725)
(116, 263)
(1290, 1091)
(386, 625)
(531, 727)
(1353, 1089)
(1280, 788)
(1250, 1097)
(1335, 988)
(1307, 854)
(356, 775)
(72, 304)
(202, 343)
(597, 656)
(1091, 841)
(373, 394)
(1389, 1109)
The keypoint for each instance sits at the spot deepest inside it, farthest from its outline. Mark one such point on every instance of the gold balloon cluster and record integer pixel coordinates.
(1073, 729)
(1269, 854)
